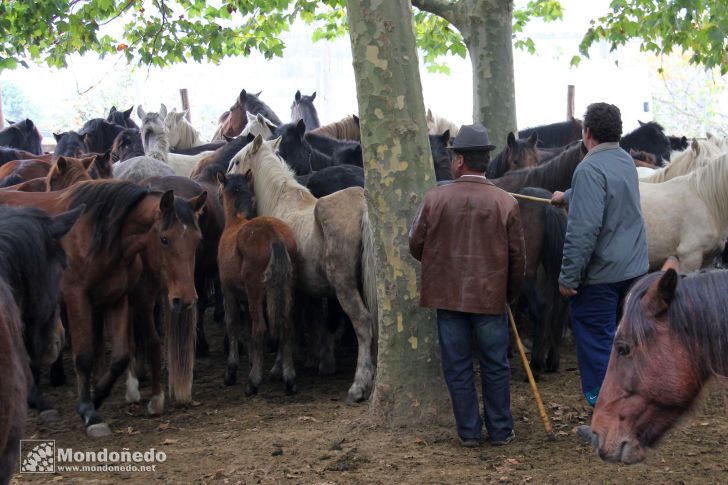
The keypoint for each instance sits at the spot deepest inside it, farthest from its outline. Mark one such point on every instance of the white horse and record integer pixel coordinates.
(181, 133)
(156, 148)
(698, 154)
(259, 125)
(437, 125)
(687, 216)
(335, 253)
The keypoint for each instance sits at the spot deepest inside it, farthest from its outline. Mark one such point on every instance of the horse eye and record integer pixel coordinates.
(623, 349)
(164, 241)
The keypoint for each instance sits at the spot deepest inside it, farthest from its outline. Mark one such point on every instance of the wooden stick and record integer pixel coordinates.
(531, 198)
(531, 380)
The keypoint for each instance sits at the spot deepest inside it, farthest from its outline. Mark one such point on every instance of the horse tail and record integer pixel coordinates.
(279, 287)
(181, 339)
(369, 279)
(556, 311)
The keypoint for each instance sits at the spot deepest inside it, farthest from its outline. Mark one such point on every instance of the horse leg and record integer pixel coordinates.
(219, 315)
(37, 400)
(117, 318)
(326, 339)
(58, 373)
(257, 340)
(80, 320)
(536, 315)
(233, 330)
(154, 352)
(202, 349)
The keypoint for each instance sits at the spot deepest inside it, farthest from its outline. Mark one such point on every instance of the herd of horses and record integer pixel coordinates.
(125, 234)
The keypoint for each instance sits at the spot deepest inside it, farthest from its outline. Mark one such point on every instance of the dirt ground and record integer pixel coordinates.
(315, 438)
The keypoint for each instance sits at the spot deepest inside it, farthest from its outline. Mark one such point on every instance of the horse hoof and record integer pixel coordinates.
(250, 390)
(50, 416)
(291, 388)
(98, 430)
(231, 377)
(156, 405)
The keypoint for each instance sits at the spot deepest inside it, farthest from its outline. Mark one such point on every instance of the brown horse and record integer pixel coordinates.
(672, 338)
(257, 257)
(232, 122)
(517, 154)
(19, 170)
(104, 265)
(344, 129)
(67, 171)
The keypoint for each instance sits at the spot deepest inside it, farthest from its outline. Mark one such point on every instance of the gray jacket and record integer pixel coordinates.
(605, 233)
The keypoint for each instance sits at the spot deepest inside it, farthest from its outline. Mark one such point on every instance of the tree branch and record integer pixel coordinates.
(441, 8)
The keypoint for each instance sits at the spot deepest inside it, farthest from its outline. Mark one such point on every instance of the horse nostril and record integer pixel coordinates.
(176, 304)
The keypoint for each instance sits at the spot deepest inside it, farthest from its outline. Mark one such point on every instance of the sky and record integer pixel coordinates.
(326, 68)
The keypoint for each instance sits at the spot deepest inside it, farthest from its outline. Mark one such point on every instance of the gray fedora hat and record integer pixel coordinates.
(472, 138)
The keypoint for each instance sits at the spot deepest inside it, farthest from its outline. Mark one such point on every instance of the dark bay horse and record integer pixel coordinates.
(553, 175)
(31, 262)
(20, 170)
(23, 135)
(257, 258)
(121, 118)
(303, 109)
(10, 154)
(517, 154)
(127, 144)
(69, 144)
(555, 135)
(671, 339)
(649, 137)
(232, 122)
(104, 265)
(99, 134)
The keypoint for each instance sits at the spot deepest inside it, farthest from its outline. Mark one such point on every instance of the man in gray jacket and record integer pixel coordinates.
(605, 247)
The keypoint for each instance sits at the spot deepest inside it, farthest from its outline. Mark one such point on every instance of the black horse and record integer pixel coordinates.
(99, 134)
(303, 109)
(649, 137)
(297, 151)
(23, 135)
(69, 144)
(121, 118)
(555, 135)
(517, 154)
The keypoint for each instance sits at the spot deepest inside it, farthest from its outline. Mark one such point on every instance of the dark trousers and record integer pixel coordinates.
(456, 331)
(594, 315)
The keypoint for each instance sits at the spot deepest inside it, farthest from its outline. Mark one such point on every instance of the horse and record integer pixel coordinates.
(232, 122)
(257, 259)
(437, 125)
(99, 134)
(31, 262)
(69, 144)
(553, 175)
(344, 129)
(544, 231)
(555, 135)
(699, 154)
(167, 283)
(649, 137)
(67, 171)
(297, 151)
(341, 151)
(121, 118)
(332, 179)
(687, 216)
(127, 144)
(335, 252)
(103, 250)
(181, 133)
(517, 154)
(19, 170)
(670, 341)
(258, 125)
(10, 154)
(678, 143)
(303, 109)
(15, 379)
(23, 135)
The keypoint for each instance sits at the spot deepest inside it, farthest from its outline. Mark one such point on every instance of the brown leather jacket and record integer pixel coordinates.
(469, 238)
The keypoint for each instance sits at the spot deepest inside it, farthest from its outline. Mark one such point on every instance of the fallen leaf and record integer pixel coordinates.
(169, 441)
(163, 426)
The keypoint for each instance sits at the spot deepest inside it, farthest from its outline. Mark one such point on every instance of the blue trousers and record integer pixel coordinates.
(594, 314)
(456, 330)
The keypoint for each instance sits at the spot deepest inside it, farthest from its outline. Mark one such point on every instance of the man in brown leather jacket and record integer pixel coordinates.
(469, 239)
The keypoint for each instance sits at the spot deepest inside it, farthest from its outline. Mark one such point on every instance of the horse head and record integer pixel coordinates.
(127, 144)
(237, 195)
(67, 171)
(70, 144)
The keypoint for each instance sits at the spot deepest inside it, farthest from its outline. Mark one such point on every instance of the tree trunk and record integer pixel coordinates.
(2, 118)
(409, 389)
(487, 29)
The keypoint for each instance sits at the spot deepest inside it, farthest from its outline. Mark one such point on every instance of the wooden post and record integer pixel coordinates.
(185, 103)
(570, 102)
(2, 118)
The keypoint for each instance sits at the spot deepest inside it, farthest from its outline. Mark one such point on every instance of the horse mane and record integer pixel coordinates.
(108, 203)
(255, 105)
(711, 184)
(684, 162)
(555, 134)
(345, 129)
(696, 316)
(437, 125)
(182, 212)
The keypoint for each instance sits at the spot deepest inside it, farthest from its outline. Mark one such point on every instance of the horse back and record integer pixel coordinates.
(339, 216)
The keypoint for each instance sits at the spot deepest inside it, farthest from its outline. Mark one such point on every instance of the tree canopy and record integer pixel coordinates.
(662, 26)
(164, 32)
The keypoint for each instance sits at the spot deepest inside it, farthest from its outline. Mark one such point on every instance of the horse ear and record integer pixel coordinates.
(62, 164)
(127, 113)
(166, 203)
(241, 97)
(258, 93)
(140, 112)
(695, 146)
(250, 116)
(257, 143)
(86, 162)
(297, 97)
(511, 139)
(429, 115)
(57, 136)
(533, 139)
(197, 203)
(301, 128)
(661, 293)
(163, 111)
(221, 179)
(356, 120)
(276, 143)
(446, 137)
(671, 262)
(260, 118)
(28, 123)
(62, 223)
(313, 96)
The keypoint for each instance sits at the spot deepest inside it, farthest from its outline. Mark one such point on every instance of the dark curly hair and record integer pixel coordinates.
(605, 122)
